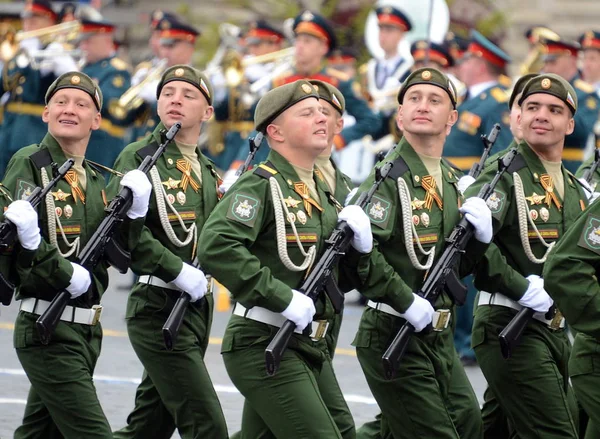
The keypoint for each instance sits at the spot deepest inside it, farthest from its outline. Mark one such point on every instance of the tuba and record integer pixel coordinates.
(533, 62)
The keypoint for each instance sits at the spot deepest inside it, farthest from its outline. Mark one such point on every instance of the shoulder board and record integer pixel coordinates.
(265, 170)
(41, 158)
(398, 169)
(449, 164)
(517, 164)
(363, 68)
(499, 95)
(119, 64)
(583, 86)
(337, 74)
(147, 150)
(505, 81)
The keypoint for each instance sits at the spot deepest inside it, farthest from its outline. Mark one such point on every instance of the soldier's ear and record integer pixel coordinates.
(570, 126)
(96, 121)
(45, 114)
(208, 113)
(274, 132)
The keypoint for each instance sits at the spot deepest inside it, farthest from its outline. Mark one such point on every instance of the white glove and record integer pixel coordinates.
(350, 196)
(62, 62)
(536, 296)
(148, 92)
(30, 44)
(80, 281)
(141, 188)
(228, 181)
(25, 218)
(300, 310)
(479, 215)
(192, 281)
(360, 224)
(464, 182)
(419, 313)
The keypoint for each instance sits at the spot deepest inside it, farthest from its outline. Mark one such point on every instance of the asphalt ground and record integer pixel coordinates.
(118, 371)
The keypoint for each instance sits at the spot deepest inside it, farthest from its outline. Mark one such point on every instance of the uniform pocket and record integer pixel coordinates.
(362, 339)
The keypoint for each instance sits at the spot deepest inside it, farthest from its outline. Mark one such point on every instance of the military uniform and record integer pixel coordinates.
(584, 167)
(532, 387)
(478, 113)
(176, 389)
(570, 273)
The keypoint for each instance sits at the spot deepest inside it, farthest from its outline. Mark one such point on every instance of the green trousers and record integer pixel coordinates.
(495, 422)
(431, 395)
(531, 387)
(62, 401)
(584, 369)
(176, 390)
(302, 400)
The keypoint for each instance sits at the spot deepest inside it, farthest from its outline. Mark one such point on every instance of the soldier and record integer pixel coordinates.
(62, 401)
(242, 229)
(561, 58)
(113, 76)
(590, 45)
(536, 200)
(484, 105)
(26, 81)
(176, 390)
(344, 60)
(431, 395)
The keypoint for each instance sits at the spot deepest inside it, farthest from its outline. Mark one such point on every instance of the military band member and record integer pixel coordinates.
(561, 58)
(590, 46)
(113, 76)
(431, 395)
(483, 106)
(62, 401)
(344, 60)
(26, 85)
(537, 200)
(176, 390)
(246, 228)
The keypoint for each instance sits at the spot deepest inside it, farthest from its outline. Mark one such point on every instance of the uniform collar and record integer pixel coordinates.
(417, 168)
(172, 153)
(533, 161)
(58, 155)
(477, 89)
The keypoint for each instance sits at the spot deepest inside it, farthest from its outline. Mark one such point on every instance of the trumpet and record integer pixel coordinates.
(69, 30)
(279, 55)
(533, 62)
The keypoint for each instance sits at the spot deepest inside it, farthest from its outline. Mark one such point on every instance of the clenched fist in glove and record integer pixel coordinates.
(25, 218)
(419, 313)
(141, 188)
(192, 281)
(536, 296)
(479, 215)
(360, 224)
(300, 310)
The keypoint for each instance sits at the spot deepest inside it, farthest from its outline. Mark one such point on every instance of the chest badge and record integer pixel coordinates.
(425, 219)
(417, 204)
(301, 217)
(544, 214)
(181, 198)
(290, 202)
(59, 195)
(535, 199)
(68, 211)
(171, 183)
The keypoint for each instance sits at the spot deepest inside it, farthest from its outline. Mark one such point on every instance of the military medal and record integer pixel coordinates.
(417, 204)
(290, 202)
(301, 217)
(186, 170)
(68, 211)
(291, 218)
(533, 214)
(302, 189)
(428, 183)
(535, 199)
(415, 220)
(58, 212)
(171, 183)
(181, 198)
(425, 219)
(73, 180)
(551, 197)
(171, 198)
(544, 214)
(59, 195)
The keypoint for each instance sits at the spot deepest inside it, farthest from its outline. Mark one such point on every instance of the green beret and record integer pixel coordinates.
(331, 94)
(519, 86)
(276, 101)
(554, 85)
(77, 80)
(428, 75)
(187, 74)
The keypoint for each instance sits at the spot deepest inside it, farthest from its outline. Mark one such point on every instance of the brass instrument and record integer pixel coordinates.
(62, 32)
(269, 57)
(130, 100)
(533, 61)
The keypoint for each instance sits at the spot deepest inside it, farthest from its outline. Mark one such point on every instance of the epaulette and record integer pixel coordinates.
(119, 64)
(505, 81)
(499, 95)
(363, 68)
(265, 170)
(148, 150)
(583, 86)
(517, 164)
(41, 158)
(449, 164)
(337, 74)
(398, 169)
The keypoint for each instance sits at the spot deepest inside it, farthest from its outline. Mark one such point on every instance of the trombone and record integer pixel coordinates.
(69, 30)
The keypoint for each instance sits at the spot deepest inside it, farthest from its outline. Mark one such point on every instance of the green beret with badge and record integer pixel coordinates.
(77, 80)
(429, 76)
(276, 101)
(554, 85)
(330, 94)
(181, 72)
(519, 86)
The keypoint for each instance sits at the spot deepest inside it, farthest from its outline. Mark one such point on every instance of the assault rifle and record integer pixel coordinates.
(321, 277)
(170, 329)
(442, 276)
(8, 231)
(102, 242)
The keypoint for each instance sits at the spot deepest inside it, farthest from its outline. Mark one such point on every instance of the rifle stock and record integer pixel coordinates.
(95, 248)
(510, 337)
(317, 280)
(8, 231)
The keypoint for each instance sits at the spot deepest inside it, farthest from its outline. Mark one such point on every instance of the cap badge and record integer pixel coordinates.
(546, 83)
(307, 88)
(179, 72)
(426, 75)
(75, 79)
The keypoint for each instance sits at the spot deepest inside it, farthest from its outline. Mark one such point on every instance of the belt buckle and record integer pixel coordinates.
(556, 321)
(97, 313)
(441, 318)
(321, 330)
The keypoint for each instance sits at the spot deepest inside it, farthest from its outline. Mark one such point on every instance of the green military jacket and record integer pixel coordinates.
(505, 265)
(44, 272)
(388, 275)
(587, 164)
(156, 254)
(239, 245)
